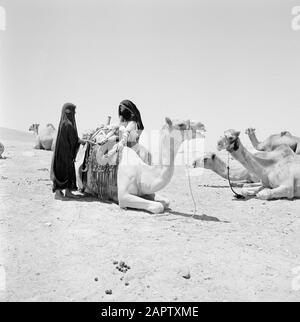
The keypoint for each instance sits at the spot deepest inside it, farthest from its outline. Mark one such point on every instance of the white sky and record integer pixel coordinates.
(229, 64)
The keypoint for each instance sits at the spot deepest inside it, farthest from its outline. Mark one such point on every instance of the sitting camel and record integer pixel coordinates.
(274, 141)
(213, 162)
(137, 182)
(278, 170)
(45, 137)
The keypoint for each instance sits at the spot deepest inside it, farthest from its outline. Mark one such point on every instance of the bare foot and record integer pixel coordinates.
(75, 194)
(69, 194)
(58, 195)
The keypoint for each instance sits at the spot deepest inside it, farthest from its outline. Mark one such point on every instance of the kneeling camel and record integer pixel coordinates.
(137, 181)
(274, 141)
(278, 170)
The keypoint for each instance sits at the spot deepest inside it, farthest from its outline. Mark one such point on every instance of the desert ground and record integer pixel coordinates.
(54, 250)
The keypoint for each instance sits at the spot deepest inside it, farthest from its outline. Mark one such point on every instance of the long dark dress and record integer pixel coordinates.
(63, 173)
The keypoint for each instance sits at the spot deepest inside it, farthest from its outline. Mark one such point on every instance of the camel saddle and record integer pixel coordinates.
(101, 162)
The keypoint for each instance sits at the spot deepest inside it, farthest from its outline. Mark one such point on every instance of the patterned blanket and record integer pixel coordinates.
(100, 165)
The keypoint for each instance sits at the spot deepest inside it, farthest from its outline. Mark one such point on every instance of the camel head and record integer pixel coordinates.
(179, 131)
(205, 161)
(286, 133)
(250, 131)
(182, 130)
(230, 141)
(51, 126)
(34, 127)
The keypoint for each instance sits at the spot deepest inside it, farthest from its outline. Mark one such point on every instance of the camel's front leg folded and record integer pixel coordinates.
(135, 202)
(252, 190)
(277, 193)
(164, 201)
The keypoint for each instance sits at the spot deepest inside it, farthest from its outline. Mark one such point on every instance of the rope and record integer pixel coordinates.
(191, 191)
(237, 195)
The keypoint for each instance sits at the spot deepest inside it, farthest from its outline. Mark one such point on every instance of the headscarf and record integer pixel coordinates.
(131, 113)
(67, 116)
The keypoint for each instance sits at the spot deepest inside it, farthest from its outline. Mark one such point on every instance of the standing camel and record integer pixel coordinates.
(278, 170)
(45, 137)
(274, 141)
(138, 182)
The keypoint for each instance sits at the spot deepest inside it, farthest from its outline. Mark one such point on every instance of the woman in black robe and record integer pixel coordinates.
(67, 144)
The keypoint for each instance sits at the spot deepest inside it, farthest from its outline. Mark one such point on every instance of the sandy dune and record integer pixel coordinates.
(54, 250)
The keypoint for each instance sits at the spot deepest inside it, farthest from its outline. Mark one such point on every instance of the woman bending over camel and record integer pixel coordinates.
(131, 128)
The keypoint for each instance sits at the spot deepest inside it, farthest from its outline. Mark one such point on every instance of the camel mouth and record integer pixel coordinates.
(221, 144)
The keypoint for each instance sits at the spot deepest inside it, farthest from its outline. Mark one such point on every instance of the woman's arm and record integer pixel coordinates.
(130, 127)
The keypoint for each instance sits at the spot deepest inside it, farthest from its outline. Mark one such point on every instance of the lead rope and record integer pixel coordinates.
(237, 195)
(191, 191)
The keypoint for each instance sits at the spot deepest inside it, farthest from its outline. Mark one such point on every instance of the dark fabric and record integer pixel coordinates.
(130, 112)
(67, 144)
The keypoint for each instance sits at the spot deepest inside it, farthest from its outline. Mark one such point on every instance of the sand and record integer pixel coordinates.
(53, 250)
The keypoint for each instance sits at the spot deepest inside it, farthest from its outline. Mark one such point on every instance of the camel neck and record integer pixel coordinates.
(168, 150)
(219, 167)
(251, 162)
(253, 139)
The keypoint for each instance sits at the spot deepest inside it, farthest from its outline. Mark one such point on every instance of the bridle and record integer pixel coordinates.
(237, 195)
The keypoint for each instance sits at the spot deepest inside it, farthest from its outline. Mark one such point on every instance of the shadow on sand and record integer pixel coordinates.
(86, 198)
(220, 186)
(89, 198)
(197, 217)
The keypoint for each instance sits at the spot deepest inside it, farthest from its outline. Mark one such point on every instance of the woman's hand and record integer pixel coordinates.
(120, 146)
(80, 141)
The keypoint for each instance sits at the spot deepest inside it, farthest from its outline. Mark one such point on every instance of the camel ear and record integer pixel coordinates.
(237, 133)
(169, 121)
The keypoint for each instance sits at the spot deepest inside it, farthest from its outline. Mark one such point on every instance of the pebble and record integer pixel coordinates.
(96, 279)
(185, 273)
(187, 276)
(108, 292)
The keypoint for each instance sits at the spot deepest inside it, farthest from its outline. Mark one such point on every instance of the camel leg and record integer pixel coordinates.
(164, 201)
(251, 190)
(135, 202)
(252, 185)
(38, 146)
(277, 193)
